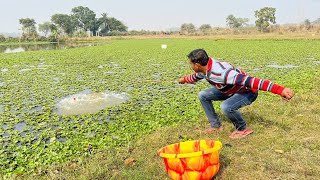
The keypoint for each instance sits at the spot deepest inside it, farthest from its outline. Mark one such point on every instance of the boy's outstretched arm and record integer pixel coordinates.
(235, 78)
(287, 94)
(192, 78)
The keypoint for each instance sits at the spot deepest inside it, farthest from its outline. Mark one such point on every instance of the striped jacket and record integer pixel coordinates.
(229, 80)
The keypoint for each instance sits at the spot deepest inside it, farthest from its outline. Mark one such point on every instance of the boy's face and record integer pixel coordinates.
(194, 66)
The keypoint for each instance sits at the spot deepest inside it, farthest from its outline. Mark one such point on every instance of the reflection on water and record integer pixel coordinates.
(89, 102)
(35, 47)
(13, 50)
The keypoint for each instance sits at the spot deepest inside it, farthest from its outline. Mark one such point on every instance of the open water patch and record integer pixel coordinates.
(5, 134)
(5, 126)
(56, 80)
(4, 70)
(24, 70)
(88, 102)
(20, 126)
(257, 69)
(282, 67)
(1, 108)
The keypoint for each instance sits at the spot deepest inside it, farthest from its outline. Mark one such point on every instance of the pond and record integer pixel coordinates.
(15, 48)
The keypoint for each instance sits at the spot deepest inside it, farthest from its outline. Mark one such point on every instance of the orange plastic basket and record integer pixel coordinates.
(192, 160)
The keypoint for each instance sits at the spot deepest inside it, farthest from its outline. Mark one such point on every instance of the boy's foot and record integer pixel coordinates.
(213, 130)
(240, 134)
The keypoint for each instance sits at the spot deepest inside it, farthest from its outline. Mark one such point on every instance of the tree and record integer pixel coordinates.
(234, 22)
(45, 28)
(104, 23)
(85, 17)
(187, 28)
(28, 28)
(116, 25)
(205, 28)
(2, 38)
(54, 32)
(65, 22)
(95, 26)
(307, 24)
(28, 25)
(265, 16)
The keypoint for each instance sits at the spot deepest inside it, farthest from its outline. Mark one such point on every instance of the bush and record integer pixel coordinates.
(42, 38)
(12, 39)
(2, 38)
(117, 33)
(33, 36)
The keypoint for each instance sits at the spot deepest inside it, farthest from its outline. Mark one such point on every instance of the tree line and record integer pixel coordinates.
(80, 22)
(265, 18)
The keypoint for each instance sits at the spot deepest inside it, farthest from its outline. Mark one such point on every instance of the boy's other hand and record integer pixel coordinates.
(181, 81)
(287, 94)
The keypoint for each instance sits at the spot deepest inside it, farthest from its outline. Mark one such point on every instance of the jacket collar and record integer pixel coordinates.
(209, 66)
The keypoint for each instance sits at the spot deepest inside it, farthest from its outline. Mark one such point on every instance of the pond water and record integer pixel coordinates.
(35, 47)
(89, 102)
(20, 126)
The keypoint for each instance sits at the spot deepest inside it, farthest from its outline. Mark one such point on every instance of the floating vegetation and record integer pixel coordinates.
(47, 118)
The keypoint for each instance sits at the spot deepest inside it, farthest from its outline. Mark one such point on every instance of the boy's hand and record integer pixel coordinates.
(181, 81)
(287, 94)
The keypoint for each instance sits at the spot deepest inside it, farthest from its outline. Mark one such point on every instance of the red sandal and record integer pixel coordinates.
(240, 134)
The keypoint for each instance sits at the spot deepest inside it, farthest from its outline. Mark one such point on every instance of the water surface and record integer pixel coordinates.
(36, 47)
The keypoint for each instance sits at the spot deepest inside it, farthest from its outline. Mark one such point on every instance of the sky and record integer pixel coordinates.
(158, 14)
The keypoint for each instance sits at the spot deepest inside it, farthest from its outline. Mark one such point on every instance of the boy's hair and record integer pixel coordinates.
(199, 56)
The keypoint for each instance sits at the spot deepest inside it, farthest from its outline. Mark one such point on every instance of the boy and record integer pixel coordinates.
(230, 84)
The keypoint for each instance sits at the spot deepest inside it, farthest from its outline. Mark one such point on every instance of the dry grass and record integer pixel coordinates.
(302, 35)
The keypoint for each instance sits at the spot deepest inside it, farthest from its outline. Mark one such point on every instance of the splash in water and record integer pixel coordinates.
(89, 102)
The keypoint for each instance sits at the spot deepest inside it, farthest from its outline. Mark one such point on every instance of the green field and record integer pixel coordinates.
(285, 144)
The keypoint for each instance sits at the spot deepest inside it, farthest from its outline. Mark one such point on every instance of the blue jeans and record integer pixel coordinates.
(229, 106)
